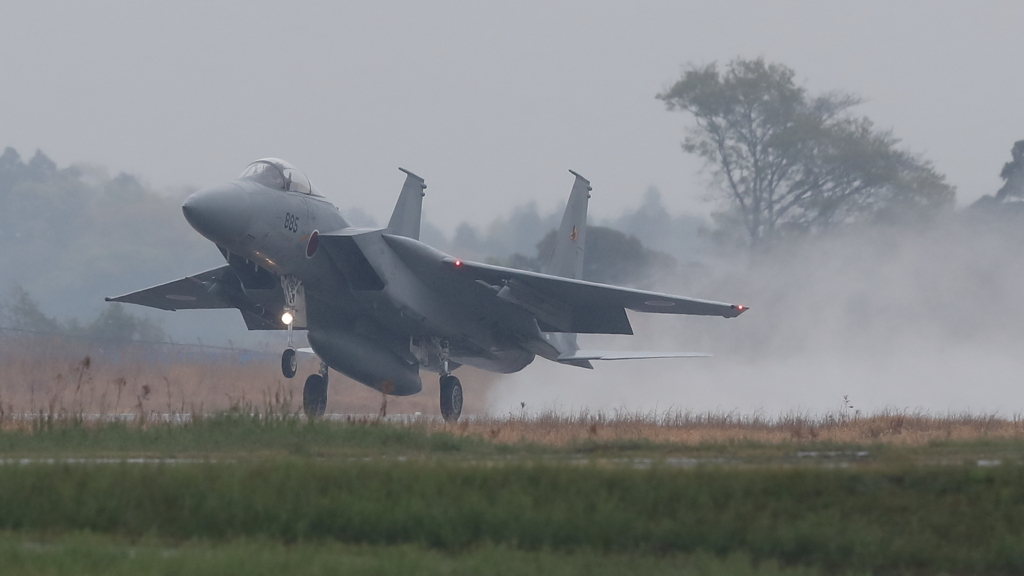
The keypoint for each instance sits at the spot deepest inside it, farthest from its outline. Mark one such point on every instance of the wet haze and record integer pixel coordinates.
(493, 103)
(928, 319)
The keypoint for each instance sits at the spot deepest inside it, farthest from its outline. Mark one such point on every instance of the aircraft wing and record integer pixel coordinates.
(559, 304)
(189, 293)
(568, 305)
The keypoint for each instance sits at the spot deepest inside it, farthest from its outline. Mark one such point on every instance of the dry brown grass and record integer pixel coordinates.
(62, 376)
(686, 428)
(66, 377)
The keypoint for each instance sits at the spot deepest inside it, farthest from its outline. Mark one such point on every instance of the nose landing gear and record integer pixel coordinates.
(294, 311)
(289, 362)
(314, 391)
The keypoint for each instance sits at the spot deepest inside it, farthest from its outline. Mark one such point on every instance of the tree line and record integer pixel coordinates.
(20, 312)
(71, 235)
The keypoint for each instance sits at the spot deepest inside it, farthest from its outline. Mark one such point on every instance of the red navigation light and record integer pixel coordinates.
(741, 307)
(458, 263)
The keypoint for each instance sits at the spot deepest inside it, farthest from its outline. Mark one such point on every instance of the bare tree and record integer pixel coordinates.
(785, 161)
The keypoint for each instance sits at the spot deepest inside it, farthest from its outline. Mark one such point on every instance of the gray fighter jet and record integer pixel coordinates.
(378, 305)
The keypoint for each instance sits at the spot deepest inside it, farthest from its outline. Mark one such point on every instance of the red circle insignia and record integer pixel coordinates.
(312, 244)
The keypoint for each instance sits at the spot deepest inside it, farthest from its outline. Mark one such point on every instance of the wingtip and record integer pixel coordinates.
(108, 299)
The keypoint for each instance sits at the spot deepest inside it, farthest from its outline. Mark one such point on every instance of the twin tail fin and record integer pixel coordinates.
(567, 256)
(405, 220)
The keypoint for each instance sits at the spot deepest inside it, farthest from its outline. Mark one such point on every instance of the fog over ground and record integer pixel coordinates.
(492, 103)
(928, 319)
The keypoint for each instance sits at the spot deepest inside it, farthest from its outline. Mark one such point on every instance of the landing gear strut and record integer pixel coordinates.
(294, 311)
(451, 389)
(289, 363)
(314, 393)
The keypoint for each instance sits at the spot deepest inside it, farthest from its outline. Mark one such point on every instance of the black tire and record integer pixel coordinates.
(314, 396)
(451, 398)
(289, 363)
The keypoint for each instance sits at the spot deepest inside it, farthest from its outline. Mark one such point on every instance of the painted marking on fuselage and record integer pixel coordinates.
(291, 222)
(661, 303)
(313, 244)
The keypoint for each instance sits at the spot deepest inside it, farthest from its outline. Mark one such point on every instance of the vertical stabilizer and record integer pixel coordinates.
(567, 257)
(405, 220)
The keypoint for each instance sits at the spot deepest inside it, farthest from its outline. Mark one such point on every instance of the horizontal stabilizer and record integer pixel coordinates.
(577, 355)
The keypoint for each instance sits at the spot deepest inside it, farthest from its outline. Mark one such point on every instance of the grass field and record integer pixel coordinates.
(92, 484)
(92, 554)
(163, 498)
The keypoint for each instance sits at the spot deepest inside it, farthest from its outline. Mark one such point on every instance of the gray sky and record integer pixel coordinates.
(490, 103)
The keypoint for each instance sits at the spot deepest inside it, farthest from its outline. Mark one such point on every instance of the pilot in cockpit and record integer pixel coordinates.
(279, 175)
(266, 174)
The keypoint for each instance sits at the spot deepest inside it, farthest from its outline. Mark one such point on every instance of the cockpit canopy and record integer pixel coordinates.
(279, 175)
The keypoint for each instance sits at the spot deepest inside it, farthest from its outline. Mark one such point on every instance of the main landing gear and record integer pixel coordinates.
(451, 398)
(451, 389)
(314, 393)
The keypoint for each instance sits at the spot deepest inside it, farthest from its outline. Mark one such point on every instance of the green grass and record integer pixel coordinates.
(86, 554)
(953, 518)
(381, 498)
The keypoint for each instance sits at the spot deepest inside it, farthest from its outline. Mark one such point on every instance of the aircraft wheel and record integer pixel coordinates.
(451, 398)
(314, 396)
(289, 363)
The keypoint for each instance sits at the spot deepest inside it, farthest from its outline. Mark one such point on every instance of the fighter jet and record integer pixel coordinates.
(379, 306)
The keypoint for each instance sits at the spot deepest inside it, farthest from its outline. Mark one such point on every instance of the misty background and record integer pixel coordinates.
(133, 107)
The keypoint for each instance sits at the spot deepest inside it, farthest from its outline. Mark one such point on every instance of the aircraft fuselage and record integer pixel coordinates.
(378, 305)
(271, 229)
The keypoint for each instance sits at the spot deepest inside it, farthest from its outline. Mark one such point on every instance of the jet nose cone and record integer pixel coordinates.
(221, 214)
